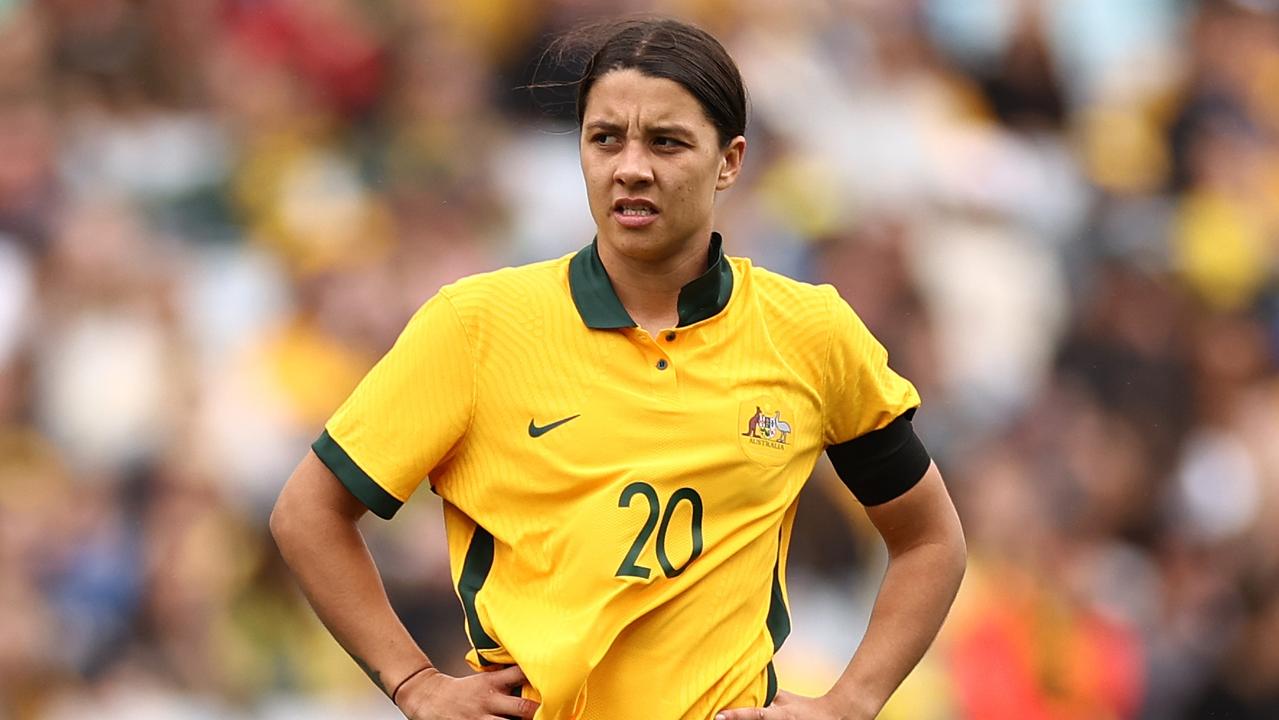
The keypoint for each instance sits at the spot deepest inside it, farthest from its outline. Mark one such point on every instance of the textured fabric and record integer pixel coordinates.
(618, 506)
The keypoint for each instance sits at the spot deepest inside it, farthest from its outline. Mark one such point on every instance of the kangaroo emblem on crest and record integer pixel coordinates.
(769, 427)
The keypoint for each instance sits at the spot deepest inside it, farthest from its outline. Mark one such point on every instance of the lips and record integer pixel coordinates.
(635, 206)
(635, 212)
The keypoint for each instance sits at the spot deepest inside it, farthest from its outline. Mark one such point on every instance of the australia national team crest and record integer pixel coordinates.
(766, 431)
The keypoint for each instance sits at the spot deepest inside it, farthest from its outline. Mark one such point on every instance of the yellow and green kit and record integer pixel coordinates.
(619, 505)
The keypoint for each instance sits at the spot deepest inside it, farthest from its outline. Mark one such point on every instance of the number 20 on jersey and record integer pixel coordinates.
(629, 566)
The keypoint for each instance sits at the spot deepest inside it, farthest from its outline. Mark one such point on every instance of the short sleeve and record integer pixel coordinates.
(861, 392)
(406, 415)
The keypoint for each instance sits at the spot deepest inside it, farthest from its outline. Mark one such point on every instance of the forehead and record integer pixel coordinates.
(628, 96)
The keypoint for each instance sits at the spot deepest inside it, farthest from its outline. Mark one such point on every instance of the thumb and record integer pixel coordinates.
(508, 676)
(745, 714)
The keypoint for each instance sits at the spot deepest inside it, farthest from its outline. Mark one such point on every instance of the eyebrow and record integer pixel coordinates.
(603, 125)
(673, 129)
(662, 129)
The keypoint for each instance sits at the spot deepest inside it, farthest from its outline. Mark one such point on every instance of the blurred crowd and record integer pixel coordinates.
(1061, 217)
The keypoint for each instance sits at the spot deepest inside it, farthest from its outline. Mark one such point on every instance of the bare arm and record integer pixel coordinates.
(927, 555)
(314, 525)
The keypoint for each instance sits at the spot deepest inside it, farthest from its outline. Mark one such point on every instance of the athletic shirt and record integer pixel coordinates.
(618, 505)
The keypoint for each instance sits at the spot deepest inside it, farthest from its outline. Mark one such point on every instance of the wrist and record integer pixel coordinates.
(402, 688)
(850, 704)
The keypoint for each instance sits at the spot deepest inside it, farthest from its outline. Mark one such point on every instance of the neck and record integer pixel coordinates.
(649, 289)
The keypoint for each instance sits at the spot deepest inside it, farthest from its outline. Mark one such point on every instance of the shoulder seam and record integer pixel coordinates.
(470, 353)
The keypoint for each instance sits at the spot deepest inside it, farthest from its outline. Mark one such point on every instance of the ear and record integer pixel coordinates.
(731, 163)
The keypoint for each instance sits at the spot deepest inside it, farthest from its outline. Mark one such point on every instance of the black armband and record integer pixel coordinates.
(882, 464)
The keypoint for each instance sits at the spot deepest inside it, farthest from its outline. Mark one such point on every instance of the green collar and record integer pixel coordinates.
(600, 309)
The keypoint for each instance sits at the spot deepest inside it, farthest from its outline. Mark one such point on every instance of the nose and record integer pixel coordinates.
(633, 166)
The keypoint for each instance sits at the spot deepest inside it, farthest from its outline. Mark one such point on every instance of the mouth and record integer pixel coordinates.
(634, 212)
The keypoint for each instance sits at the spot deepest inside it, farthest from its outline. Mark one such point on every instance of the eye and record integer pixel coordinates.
(604, 139)
(667, 142)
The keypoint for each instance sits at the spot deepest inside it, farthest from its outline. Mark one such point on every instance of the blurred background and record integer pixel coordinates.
(1061, 217)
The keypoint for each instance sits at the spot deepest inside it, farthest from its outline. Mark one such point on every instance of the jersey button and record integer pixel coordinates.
(670, 337)
(662, 364)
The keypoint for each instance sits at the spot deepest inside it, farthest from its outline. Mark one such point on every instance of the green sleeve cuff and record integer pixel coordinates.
(357, 482)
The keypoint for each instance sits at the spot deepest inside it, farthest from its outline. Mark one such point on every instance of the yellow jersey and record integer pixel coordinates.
(618, 505)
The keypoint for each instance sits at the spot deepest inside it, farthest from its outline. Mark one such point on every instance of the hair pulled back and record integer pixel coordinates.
(660, 48)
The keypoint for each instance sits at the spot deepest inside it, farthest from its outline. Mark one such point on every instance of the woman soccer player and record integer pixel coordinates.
(619, 437)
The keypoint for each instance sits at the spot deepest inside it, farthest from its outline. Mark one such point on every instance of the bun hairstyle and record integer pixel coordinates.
(660, 48)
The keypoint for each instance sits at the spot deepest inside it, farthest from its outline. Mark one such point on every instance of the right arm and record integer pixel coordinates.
(314, 523)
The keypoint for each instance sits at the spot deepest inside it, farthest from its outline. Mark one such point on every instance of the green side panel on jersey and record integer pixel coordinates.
(778, 623)
(364, 488)
(475, 570)
(771, 693)
(778, 616)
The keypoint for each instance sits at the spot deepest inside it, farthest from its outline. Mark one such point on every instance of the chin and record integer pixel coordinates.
(641, 244)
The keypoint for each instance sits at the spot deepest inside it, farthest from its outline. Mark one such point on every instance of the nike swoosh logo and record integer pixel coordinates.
(535, 431)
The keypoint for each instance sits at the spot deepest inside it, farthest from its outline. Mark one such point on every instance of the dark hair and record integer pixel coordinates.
(661, 48)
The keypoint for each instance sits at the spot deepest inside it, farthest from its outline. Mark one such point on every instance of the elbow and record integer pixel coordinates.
(291, 527)
(957, 553)
(947, 550)
(283, 522)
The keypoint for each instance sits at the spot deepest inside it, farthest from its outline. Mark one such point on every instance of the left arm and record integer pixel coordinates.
(926, 560)
(927, 556)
